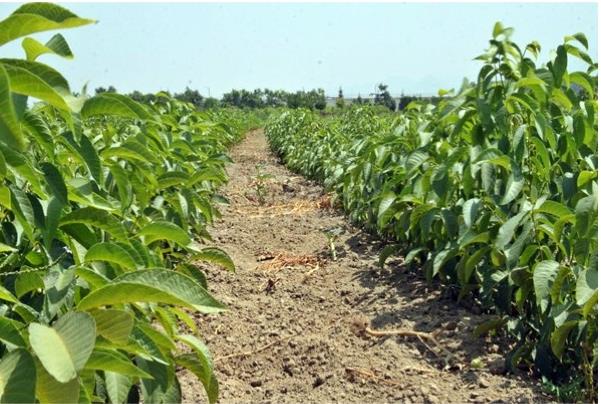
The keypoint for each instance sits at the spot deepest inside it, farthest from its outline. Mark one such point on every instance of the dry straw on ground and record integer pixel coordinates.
(282, 260)
(297, 207)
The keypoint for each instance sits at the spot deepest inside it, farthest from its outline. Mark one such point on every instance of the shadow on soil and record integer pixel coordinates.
(404, 300)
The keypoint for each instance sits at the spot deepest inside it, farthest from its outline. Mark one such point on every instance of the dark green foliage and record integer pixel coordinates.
(313, 99)
(493, 191)
(104, 208)
(383, 97)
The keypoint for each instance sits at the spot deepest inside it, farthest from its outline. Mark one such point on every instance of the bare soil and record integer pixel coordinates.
(295, 329)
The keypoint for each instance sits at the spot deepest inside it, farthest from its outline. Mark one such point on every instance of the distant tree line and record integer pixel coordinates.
(407, 99)
(189, 95)
(382, 97)
(262, 98)
(258, 98)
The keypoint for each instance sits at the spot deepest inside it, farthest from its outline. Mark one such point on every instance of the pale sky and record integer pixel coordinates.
(414, 48)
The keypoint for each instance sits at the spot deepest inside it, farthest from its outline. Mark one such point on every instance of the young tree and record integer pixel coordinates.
(231, 99)
(101, 90)
(360, 100)
(317, 99)
(340, 99)
(406, 100)
(143, 98)
(191, 96)
(383, 97)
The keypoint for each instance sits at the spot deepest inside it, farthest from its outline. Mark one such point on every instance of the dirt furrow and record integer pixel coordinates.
(295, 331)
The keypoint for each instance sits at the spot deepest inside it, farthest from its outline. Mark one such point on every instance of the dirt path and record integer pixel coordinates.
(302, 323)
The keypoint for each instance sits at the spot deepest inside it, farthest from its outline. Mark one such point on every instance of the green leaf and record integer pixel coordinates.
(92, 278)
(559, 65)
(6, 248)
(91, 158)
(110, 252)
(442, 257)
(194, 272)
(579, 36)
(124, 187)
(582, 80)
(157, 285)
(82, 235)
(586, 287)
(580, 54)
(53, 214)
(554, 208)
(207, 174)
(217, 256)
(113, 361)
(555, 293)
(9, 333)
(470, 264)
(508, 230)
(164, 342)
(37, 80)
(3, 165)
(17, 377)
(416, 159)
(27, 282)
(57, 45)
(560, 99)
(114, 325)
(514, 251)
(37, 17)
(501, 161)
(172, 178)
(64, 348)
(497, 29)
(542, 153)
(49, 390)
(585, 177)
(96, 218)
(154, 390)
(55, 181)
(87, 383)
(534, 48)
(186, 318)
(471, 209)
(387, 200)
(418, 212)
(489, 325)
(7, 296)
(532, 82)
(23, 210)
(200, 348)
(113, 104)
(387, 252)
(147, 349)
(198, 368)
(163, 230)
(559, 337)
(10, 130)
(133, 151)
(586, 212)
(543, 277)
(469, 238)
(117, 386)
(514, 186)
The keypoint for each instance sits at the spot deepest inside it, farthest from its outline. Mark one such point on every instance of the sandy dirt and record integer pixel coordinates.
(295, 329)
